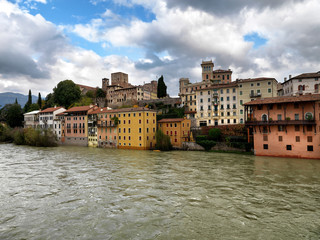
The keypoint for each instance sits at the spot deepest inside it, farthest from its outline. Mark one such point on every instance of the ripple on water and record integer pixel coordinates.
(84, 193)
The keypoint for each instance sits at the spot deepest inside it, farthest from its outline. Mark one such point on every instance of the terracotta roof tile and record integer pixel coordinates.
(48, 110)
(302, 98)
(121, 110)
(254, 79)
(307, 75)
(167, 120)
(79, 109)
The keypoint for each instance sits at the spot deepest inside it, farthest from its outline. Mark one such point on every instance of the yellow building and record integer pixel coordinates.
(178, 129)
(136, 128)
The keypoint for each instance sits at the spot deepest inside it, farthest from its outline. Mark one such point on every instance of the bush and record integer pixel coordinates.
(201, 138)
(214, 134)
(163, 141)
(207, 144)
(18, 136)
(5, 134)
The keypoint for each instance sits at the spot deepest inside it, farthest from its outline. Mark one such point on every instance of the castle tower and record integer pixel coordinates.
(207, 69)
(120, 79)
(105, 83)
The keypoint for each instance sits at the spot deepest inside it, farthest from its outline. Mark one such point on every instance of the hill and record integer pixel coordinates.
(10, 97)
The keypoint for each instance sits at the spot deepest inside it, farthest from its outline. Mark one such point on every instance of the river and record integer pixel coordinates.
(84, 193)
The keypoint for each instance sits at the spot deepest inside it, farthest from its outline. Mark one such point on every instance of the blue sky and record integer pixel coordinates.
(46, 41)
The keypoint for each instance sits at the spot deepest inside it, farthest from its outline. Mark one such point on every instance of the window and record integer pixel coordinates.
(234, 98)
(228, 98)
(265, 146)
(309, 139)
(278, 106)
(269, 90)
(264, 117)
(201, 100)
(240, 92)
(222, 121)
(296, 116)
(280, 138)
(251, 84)
(297, 128)
(289, 147)
(221, 91)
(241, 102)
(241, 111)
(265, 138)
(240, 85)
(279, 117)
(296, 105)
(139, 130)
(310, 148)
(309, 128)
(258, 84)
(280, 128)
(234, 120)
(269, 83)
(221, 99)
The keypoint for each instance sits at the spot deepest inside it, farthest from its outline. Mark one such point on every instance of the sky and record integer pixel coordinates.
(44, 42)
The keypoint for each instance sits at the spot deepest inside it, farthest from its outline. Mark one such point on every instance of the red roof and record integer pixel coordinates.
(79, 109)
(86, 87)
(120, 110)
(302, 98)
(49, 110)
(168, 120)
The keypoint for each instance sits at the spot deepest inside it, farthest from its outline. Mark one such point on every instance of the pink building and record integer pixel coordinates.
(285, 126)
(76, 125)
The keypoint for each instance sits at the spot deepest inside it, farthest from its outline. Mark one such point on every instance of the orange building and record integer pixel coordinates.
(178, 129)
(285, 126)
(76, 125)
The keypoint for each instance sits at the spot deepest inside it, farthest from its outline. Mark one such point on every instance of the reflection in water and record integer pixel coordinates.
(84, 193)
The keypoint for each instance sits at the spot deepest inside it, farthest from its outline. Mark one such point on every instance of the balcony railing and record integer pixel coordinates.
(253, 95)
(281, 122)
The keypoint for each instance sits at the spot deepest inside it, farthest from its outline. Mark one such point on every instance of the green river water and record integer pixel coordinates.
(84, 193)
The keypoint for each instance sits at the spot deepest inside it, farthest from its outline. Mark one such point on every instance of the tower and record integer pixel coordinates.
(207, 69)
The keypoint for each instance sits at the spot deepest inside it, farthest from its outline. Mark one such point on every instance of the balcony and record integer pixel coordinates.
(280, 122)
(254, 95)
(215, 95)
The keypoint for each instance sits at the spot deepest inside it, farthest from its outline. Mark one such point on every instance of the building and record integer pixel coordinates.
(85, 89)
(120, 92)
(76, 125)
(217, 105)
(137, 128)
(59, 126)
(252, 89)
(178, 129)
(92, 129)
(215, 76)
(31, 119)
(47, 117)
(126, 128)
(306, 83)
(285, 126)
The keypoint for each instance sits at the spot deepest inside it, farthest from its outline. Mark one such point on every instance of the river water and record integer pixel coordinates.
(84, 193)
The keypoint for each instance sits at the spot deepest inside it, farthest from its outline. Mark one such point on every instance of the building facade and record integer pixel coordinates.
(76, 125)
(31, 119)
(178, 129)
(306, 83)
(47, 117)
(285, 126)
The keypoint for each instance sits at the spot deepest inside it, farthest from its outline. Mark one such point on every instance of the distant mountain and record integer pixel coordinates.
(9, 97)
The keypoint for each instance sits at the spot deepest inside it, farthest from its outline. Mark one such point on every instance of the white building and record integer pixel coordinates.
(47, 117)
(31, 119)
(306, 83)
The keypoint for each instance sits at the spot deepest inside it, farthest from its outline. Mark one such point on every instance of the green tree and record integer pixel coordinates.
(163, 142)
(28, 103)
(33, 107)
(39, 101)
(162, 88)
(16, 102)
(84, 101)
(49, 101)
(100, 93)
(66, 93)
(214, 134)
(14, 115)
(90, 94)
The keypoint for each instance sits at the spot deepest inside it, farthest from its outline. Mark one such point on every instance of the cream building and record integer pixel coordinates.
(306, 83)
(252, 89)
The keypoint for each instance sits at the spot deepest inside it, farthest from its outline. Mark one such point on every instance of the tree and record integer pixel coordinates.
(163, 141)
(39, 101)
(100, 93)
(49, 101)
(28, 103)
(33, 107)
(14, 115)
(214, 134)
(16, 102)
(66, 93)
(162, 88)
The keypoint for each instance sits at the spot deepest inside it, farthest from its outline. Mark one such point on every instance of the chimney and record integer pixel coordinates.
(290, 76)
(285, 79)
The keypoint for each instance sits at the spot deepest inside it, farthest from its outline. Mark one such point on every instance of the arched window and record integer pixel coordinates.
(300, 87)
(264, 117)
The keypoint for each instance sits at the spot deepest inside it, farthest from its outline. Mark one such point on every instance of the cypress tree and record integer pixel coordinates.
(16, 102)
(29, 102)
(162, 88)
(39, 101)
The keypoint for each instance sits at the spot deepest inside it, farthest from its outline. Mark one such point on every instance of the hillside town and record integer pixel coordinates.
(281, 119)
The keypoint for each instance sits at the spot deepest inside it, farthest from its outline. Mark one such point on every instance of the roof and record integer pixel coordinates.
(221, 71)
(305, 75)
(79, 109)
(190, 112)
(33, 112)
(302, 98)
(167, 120)
(255, 79)
(49, 110)
(121, 110)
(61, 114)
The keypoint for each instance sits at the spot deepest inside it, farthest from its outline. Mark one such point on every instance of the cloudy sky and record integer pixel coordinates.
(46, 41)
